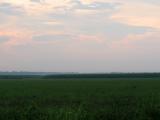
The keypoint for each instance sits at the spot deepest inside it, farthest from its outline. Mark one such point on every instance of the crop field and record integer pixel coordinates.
(80, 99)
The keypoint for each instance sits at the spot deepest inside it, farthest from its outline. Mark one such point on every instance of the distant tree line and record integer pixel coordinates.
(111, 75)
(65, 76)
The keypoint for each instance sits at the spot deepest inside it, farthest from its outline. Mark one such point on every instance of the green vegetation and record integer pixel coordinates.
(105, 75)
(80, 99)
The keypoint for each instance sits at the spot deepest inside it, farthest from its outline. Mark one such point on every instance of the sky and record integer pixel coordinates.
(80, 35)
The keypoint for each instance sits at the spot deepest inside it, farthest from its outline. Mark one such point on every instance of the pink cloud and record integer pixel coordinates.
(17, 37)
(138, 14)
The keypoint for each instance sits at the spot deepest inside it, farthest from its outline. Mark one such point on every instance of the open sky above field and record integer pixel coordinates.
(80, 35)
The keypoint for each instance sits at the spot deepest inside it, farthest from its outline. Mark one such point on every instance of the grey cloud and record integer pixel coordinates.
(9, 9)
(3, 19)
(4, 38)
(68, 14)
(37, 1)
(155, 2)
(95, 5)
(49, 37)
(112, 30)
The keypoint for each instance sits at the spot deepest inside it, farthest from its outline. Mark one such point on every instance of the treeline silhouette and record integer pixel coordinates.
(65, 76)
(18, 76)
(111, 75)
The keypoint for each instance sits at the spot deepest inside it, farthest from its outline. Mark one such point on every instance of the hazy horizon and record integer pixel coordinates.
(86, 36)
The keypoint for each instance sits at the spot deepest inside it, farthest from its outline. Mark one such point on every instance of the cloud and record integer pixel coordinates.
(4, 38)
(138, 14)
(73, 17)
(36, 1)
(32, 8)
(94, 5)
(51, 37)
(16, 37)
(93, 1)
(9, 9)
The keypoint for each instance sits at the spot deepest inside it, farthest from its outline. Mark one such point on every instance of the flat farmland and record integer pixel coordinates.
(80, 99)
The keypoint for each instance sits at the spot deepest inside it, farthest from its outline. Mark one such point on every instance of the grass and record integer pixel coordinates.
(80, 99)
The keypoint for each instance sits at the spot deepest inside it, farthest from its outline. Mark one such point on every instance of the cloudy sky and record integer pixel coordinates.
(80, 35)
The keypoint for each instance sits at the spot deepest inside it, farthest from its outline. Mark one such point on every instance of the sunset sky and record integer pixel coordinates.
(80, 35)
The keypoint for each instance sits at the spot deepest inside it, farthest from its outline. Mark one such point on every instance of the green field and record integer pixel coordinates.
(80, 99)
